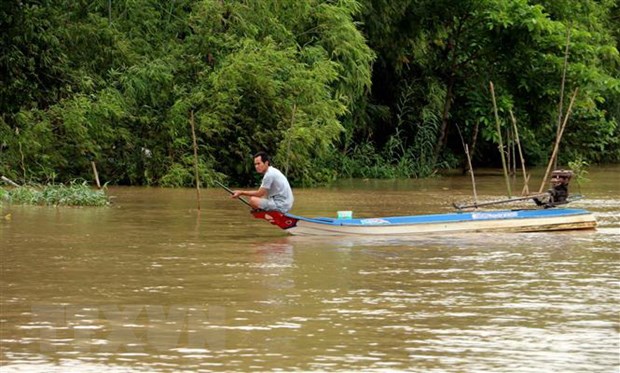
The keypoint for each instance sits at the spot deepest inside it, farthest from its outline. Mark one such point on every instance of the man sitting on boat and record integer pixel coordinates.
(558, 194)
(275, 192)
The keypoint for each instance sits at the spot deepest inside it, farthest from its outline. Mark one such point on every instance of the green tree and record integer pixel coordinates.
(447, 52)
(274, 80)
(115, 82)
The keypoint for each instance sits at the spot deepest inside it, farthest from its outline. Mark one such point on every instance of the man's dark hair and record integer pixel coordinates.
(264, 157)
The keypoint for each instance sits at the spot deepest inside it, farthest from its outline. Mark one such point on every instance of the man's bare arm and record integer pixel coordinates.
(261, 193)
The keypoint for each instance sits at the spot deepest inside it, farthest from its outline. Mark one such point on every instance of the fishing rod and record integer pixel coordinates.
(231, 192)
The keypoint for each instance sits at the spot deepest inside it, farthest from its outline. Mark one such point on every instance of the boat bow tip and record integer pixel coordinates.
(283, 221)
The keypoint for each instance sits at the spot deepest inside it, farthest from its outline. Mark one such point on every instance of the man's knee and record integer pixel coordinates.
(255, 202)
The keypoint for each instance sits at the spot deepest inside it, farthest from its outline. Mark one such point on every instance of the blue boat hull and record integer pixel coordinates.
(477, 221)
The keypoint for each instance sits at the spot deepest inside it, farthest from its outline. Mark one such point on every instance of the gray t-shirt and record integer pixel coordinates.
(279, 190)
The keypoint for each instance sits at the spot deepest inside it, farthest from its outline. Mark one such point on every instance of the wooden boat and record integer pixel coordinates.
(549, 218)
(526, 220)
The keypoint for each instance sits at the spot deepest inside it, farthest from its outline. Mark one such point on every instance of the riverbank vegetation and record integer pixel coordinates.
(332, 88)
(72, 194)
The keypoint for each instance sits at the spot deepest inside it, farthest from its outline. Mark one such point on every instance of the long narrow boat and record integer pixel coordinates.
(527, 220)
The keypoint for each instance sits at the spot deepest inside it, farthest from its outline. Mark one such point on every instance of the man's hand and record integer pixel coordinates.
(236, 194)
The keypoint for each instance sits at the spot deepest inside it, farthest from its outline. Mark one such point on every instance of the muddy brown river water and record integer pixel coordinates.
(151, 284)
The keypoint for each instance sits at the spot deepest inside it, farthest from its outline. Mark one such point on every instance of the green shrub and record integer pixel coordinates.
(73, 194)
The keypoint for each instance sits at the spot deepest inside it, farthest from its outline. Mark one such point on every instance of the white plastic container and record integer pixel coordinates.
(345, 214)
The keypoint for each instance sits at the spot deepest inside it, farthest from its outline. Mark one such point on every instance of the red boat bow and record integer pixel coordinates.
(276, 218)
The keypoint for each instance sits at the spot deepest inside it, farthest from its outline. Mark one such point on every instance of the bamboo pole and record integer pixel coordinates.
(471, 172)
(526, 189)
(557, 142)
(191, 121)
(9, 181)
(471, 168)
(561, 103)
(509, 150)
(514, 152)
(501, 144)
(92, 163)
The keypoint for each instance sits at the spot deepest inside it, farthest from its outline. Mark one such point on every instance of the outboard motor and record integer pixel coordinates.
(558, 194)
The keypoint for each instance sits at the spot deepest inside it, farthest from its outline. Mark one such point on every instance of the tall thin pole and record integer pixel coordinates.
(471, 168)
(92, 163)
(561, 103)
(513, 149)
(508, 151)
(501, 143)
(471, 172)
(191, 121)
(554, 154)
(526, 189)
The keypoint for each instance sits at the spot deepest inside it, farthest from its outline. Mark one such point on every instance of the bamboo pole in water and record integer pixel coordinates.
(560, 104)
(554, 154)
(191, 121)
(469, 165)
(92, 163)
(509, 150)
(514, 151)
(526, 189)
(471, 172)
(501, 144)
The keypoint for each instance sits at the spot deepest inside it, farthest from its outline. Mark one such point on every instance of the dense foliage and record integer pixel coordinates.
(331, 88)
(73, 194)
